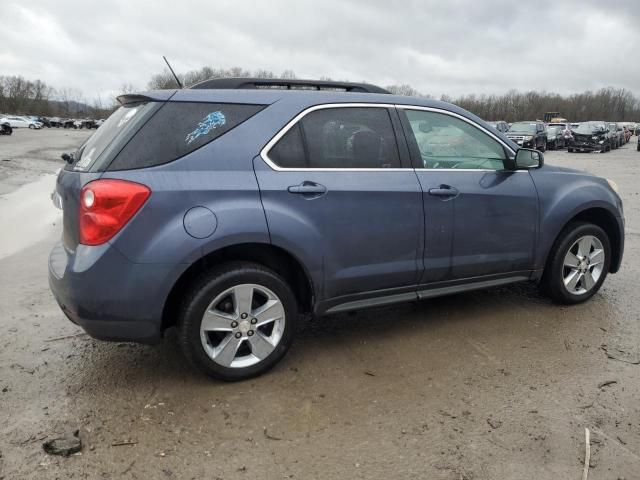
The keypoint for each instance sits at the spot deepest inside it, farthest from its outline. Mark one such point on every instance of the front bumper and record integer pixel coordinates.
(586, 146)
(108, 296)
(524, 143)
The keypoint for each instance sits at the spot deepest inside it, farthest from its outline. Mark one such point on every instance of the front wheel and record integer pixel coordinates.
(238, 321)
(578, 263)
(32, 126)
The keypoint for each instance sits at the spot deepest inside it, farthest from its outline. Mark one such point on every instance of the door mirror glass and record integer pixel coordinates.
(527, 158)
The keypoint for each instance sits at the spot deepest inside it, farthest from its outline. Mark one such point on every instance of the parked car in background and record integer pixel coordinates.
(55, 122)
(591, 137)
(555, 137)
(616, 135)
(5, 127)
(42, 120)
(500, 125)
(69, 123)
(227, 211)
(22, 122)
(98, 123)
(532, 134)
(87, 123)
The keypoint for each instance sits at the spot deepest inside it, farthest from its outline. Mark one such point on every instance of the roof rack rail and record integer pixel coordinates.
(286, 84)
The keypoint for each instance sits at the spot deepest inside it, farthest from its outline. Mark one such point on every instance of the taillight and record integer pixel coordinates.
(106, 206)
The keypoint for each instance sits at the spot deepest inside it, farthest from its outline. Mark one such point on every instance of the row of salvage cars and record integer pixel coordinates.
(592, 136)
(10, 122)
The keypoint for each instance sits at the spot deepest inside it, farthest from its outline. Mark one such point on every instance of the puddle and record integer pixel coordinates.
(27, 216)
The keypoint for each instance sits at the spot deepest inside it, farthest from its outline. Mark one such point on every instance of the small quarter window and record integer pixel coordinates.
(289, 151)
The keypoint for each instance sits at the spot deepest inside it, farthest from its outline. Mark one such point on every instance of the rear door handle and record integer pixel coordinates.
(308, 188)
(444, 191)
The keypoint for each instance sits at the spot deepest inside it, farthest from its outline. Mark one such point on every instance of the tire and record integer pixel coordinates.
(206, 350)
(570, 150)
(31, 126)
(556, 271)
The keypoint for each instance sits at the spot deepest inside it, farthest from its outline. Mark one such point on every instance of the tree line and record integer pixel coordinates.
(21, 96)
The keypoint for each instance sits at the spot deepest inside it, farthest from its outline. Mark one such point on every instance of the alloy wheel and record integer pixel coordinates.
(242, 326)
(583, 265)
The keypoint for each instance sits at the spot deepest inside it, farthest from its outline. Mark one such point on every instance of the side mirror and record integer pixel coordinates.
(527, 158)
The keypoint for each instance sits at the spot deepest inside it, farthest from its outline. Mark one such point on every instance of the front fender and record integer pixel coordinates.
(563, 195)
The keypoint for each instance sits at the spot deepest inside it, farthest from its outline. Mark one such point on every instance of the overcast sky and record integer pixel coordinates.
(446, 46)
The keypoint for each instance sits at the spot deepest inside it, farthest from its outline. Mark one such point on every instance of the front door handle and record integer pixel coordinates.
(308, 188)
(444, 191)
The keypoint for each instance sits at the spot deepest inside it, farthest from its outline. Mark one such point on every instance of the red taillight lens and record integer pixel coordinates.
(106, 206)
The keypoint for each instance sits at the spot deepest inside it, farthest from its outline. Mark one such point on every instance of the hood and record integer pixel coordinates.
(555, 168)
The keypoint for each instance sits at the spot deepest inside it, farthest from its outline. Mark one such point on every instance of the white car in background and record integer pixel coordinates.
(22, 122)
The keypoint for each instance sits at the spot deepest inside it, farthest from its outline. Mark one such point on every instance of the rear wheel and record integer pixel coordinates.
(238, 321)
(578, 263)
(570, 150)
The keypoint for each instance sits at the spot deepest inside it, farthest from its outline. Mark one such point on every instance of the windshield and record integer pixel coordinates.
(124, 121)
(553, 129)
(590, 127)
(523, 127)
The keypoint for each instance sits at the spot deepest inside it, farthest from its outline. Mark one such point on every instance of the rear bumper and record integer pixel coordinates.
(108, 296)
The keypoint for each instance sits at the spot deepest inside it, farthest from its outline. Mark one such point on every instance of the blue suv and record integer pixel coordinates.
(231, 208)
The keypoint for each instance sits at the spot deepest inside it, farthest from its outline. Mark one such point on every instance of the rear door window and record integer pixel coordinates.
(343, 137)
(179, 128)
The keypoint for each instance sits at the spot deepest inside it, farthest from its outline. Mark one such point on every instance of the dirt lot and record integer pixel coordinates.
(497, 384)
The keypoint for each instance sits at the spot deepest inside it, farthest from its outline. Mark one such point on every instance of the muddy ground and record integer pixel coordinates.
(498, 384)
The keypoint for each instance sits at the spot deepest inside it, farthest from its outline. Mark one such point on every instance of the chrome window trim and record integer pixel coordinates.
(264, 153)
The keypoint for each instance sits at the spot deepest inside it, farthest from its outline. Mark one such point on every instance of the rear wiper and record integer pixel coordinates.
(68, 157)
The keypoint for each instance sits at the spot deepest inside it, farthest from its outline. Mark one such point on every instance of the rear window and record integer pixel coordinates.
(179, 128)
(98, 150)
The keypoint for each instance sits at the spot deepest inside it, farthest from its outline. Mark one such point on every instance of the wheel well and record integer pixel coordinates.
(605, 220)
(272, 257)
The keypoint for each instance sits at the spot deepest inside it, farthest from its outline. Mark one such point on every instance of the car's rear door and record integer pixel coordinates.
(339, 193)
(483, 214)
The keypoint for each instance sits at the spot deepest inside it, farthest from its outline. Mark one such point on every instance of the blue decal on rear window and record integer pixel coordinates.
(208, 123)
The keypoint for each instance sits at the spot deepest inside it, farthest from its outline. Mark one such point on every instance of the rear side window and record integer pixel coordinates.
(345, 137)
(179, 128)
(98, 150)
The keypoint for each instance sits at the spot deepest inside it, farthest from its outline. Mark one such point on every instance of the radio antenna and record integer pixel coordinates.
(174, 73)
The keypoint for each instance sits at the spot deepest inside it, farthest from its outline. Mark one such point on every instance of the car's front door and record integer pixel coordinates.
(485, 215)
(340, 194)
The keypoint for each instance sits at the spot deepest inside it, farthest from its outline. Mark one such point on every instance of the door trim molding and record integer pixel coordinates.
(390, 296)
